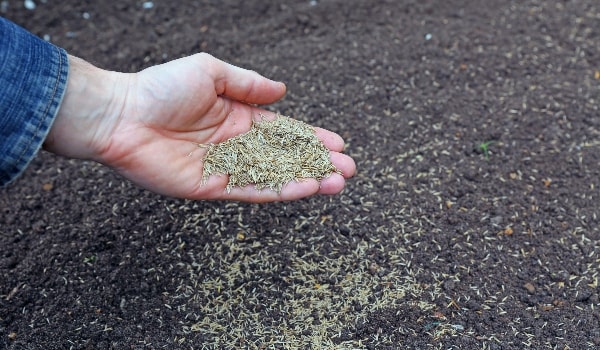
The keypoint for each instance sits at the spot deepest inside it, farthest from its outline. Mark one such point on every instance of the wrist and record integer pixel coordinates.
(90, 109)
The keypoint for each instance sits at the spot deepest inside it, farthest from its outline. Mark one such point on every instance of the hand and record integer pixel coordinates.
(147, 126)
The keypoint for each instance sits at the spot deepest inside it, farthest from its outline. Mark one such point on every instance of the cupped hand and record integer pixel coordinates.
(148, 125)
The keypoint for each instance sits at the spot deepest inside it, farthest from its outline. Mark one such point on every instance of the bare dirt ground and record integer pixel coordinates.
(472, 222)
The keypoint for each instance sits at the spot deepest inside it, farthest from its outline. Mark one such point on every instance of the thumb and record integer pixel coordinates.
(240, 84)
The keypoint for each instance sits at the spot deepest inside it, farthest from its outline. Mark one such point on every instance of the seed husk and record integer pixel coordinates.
(269, 155)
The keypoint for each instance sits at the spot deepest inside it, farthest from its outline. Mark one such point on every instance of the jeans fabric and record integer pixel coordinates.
(33, 80)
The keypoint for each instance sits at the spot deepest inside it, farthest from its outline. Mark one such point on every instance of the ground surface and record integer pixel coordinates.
(472, 222)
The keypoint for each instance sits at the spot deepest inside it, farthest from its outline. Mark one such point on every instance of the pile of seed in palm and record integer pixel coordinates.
(269, 155)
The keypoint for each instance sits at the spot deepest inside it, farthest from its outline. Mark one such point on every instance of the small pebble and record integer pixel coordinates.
(29, 4)
(458, 327)
(496, 220)
(148, 5)
(313, 2)
(428, 36)
(530, 287)
(85, 15)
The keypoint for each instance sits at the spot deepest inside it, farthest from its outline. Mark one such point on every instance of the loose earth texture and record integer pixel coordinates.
(472, 223)
(269, 155)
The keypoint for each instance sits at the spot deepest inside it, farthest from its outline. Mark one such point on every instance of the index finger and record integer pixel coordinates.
(330, 139)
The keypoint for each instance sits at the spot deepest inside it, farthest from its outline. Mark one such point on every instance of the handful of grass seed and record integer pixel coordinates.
(270, 155)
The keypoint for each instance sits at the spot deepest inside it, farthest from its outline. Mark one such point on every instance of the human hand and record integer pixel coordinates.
(147, 126)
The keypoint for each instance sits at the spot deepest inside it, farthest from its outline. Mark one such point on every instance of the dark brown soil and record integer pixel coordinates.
(471, 224)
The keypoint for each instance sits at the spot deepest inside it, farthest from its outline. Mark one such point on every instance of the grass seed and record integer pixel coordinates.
(269, 155)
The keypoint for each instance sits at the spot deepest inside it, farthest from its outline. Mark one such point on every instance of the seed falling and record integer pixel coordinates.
(269, 155)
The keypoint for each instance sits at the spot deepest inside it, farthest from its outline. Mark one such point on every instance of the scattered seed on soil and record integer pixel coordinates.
(397, 267)
(269, 155)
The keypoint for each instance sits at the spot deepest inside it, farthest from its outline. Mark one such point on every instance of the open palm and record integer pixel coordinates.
(167, 110)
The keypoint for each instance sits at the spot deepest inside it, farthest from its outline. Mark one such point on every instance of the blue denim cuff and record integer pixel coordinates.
(33, 80)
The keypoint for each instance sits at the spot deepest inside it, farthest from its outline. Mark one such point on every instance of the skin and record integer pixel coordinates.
(147, 126)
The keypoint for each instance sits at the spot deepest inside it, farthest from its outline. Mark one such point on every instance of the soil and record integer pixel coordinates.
(472, 222)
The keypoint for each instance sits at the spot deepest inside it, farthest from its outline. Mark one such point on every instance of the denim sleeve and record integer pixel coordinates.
(33, 80)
